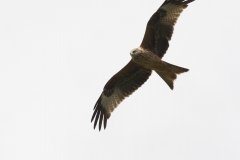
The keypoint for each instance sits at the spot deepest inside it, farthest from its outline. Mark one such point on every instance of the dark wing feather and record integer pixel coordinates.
(160, 26)
(121, 85)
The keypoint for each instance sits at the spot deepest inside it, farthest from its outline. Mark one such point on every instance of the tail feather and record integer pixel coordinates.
(170, 74)
(177, 69)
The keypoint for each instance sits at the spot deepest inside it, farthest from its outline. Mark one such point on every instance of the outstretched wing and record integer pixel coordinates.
(121, 85)
(160, 26)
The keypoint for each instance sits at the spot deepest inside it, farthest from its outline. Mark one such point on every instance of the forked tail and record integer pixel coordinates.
(170, 74)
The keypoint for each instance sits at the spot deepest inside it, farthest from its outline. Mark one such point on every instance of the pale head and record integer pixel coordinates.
(136, 51)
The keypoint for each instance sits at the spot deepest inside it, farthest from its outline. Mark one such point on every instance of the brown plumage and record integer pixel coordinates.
(145, 58)
(160, 26)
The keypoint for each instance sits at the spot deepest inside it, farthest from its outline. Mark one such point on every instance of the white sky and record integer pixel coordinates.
(56, 56)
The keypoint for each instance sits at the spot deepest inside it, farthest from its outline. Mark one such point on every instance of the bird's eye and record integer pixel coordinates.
(134, 51)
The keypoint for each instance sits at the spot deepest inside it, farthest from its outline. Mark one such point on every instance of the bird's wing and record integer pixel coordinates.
(160, 26)
(121, 85)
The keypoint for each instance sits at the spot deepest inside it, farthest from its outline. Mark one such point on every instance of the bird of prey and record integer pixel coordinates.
(144, 59)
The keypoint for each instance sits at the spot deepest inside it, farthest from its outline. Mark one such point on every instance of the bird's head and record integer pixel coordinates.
(135, 52)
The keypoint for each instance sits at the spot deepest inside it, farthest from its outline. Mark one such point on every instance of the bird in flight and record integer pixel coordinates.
(145, 58)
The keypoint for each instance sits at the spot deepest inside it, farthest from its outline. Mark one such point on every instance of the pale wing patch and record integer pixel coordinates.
(173, 12)
(111, 102)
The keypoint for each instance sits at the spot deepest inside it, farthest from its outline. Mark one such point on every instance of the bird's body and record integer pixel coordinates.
(145, 58)
(149, 60)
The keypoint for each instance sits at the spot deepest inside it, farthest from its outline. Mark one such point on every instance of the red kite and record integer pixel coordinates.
(145, 58)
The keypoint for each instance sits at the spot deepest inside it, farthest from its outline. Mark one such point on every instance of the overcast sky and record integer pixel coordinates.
(56, 57)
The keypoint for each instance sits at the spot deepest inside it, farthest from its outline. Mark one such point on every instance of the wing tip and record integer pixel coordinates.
(100, 115)
(178, 2)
